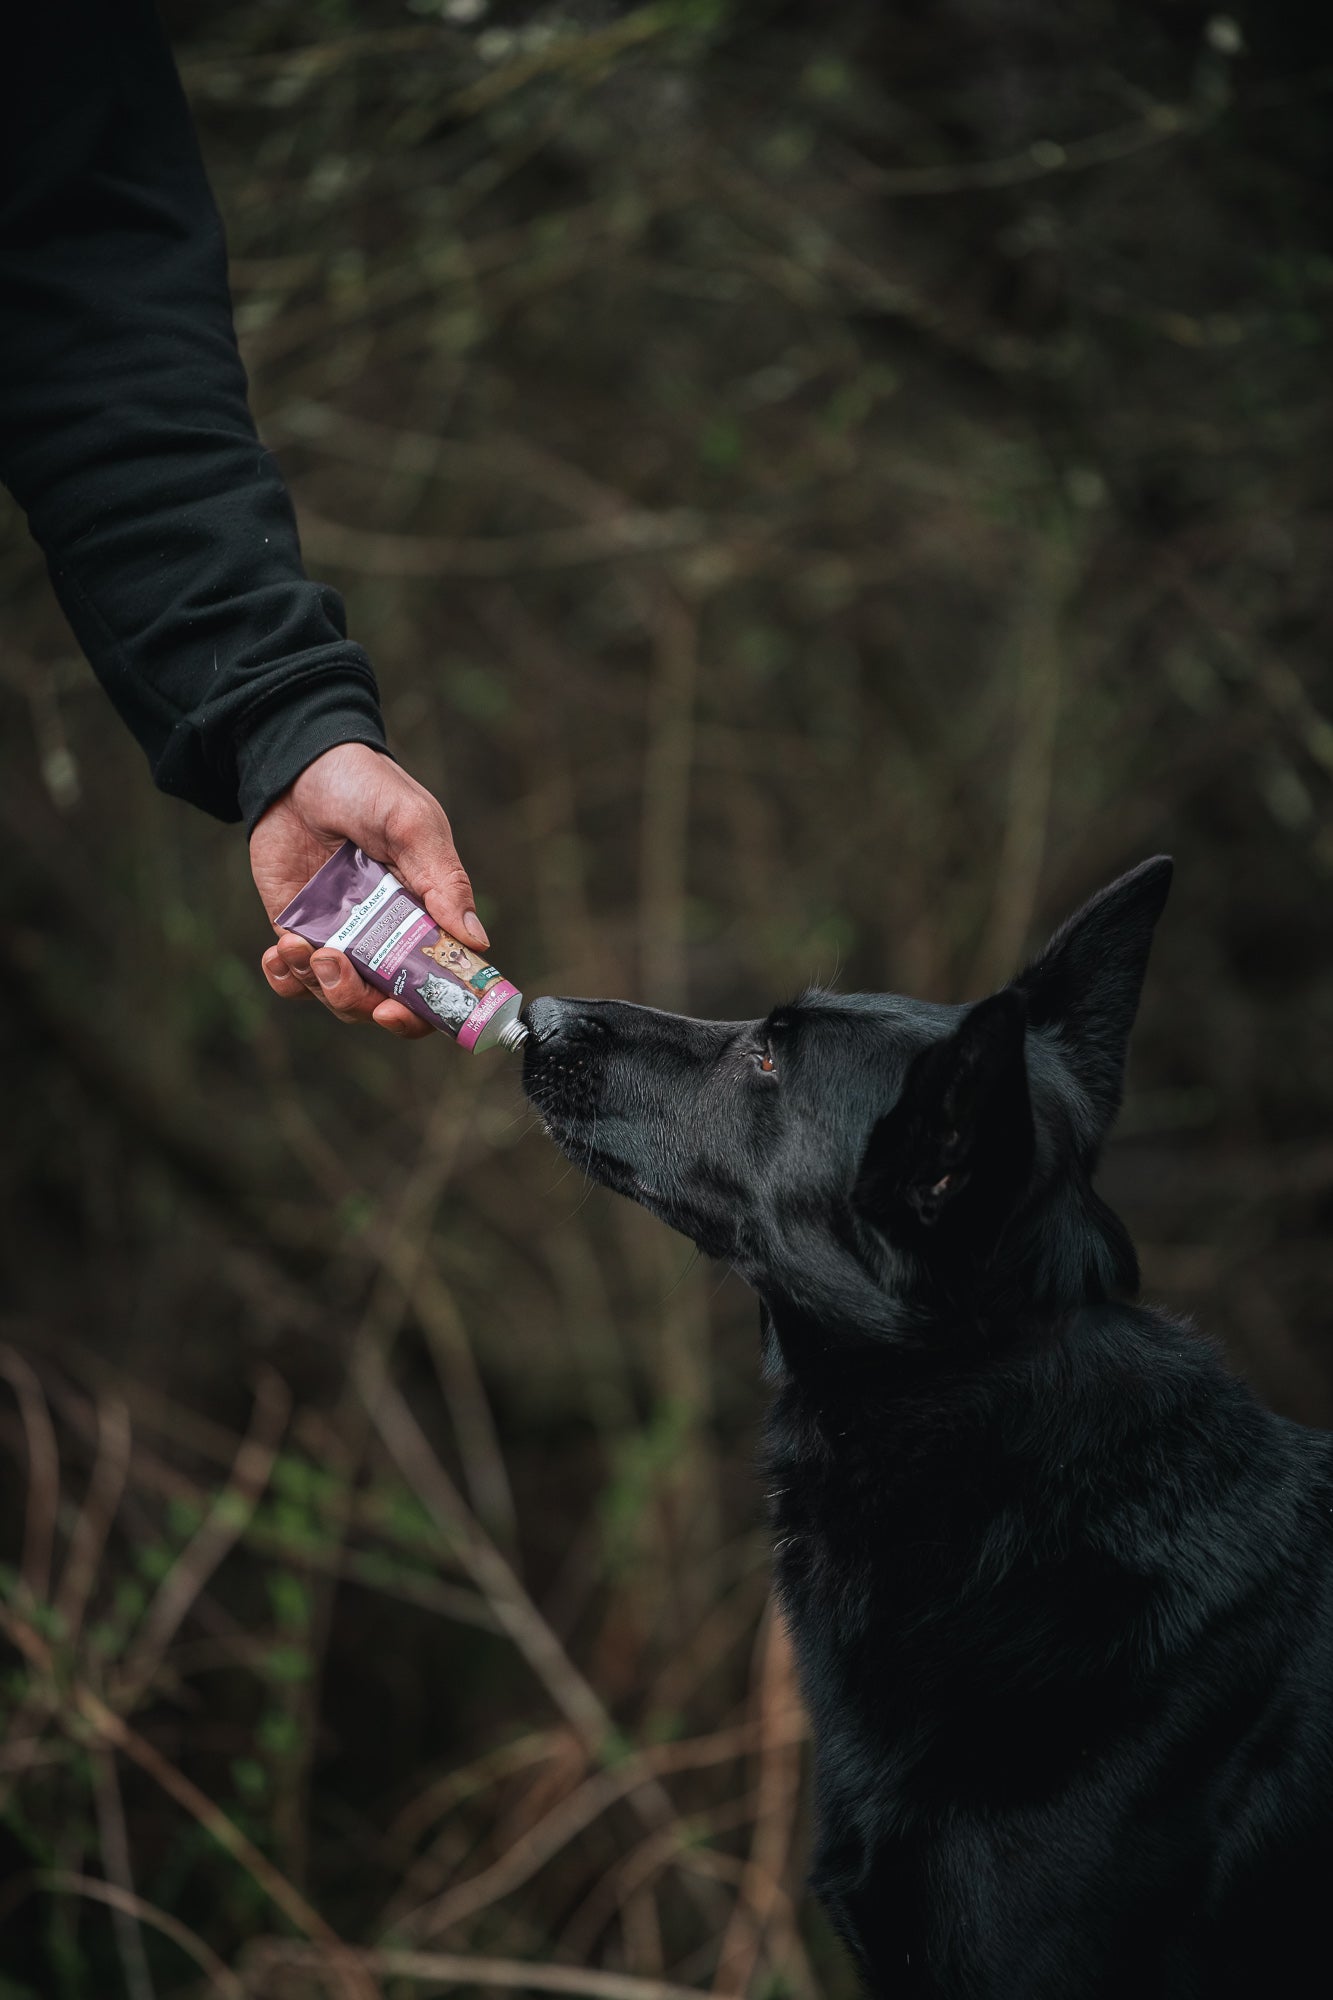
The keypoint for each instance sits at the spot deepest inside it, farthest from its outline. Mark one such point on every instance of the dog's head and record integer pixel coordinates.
(871, 1160)
(455, 957)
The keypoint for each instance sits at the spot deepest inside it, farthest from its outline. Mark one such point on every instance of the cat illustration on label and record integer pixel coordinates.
(447, 999)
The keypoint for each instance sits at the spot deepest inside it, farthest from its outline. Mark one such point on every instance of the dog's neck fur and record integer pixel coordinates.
(878, 1310)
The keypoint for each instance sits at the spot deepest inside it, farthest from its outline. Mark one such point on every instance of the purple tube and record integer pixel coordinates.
(353, 904)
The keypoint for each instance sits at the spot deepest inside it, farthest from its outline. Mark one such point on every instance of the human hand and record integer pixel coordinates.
(358, 794)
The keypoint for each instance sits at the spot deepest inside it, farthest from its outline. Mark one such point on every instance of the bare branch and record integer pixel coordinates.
(445, 1969)
(125, 1902)
(577, 1812)
(225, 1524)
(115, 1846)
(110, 1729)
(39, 1527)
(106, 1484)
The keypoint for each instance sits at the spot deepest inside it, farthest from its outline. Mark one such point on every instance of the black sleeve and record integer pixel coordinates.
(124, 428)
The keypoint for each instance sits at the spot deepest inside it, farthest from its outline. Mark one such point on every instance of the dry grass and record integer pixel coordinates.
(819, 501)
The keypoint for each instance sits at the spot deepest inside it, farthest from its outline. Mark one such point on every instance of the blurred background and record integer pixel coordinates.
(825, 487)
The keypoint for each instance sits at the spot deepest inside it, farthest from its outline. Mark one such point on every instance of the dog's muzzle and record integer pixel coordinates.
(561, 1060)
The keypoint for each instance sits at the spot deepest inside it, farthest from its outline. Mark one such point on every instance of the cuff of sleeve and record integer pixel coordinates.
(281, 741)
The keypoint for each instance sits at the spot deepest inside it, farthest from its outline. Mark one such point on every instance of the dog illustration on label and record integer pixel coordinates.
(464, 964)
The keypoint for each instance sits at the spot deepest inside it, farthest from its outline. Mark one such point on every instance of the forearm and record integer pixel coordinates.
(125, 432)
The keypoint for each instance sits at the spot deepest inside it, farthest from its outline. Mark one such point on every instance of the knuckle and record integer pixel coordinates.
(280, 981)
(348, 999)
(349, 1015)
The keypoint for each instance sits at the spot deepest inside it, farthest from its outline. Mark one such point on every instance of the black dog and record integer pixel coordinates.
(1061, 1591)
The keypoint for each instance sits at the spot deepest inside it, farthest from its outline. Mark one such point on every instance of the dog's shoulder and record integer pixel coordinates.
(1085, 1501)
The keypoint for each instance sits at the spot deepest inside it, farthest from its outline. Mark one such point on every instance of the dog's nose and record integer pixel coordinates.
(541, 1018)
(548, 1020)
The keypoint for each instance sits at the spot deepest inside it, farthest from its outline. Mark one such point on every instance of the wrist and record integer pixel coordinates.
(284, 740)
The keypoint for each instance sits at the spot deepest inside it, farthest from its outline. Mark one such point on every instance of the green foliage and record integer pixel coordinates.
(278, 1732)
(721, 444)
(355, 1214)
(477, 694)
(153, 1560)
(49, 1621)
(817, 503)
(285, 1664)
(249, 1777)
(291, 1599)
(643, 1461)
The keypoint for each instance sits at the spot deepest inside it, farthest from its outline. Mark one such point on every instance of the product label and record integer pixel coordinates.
(354, 905)
(413, 921)
(385, 941)
(491, 1003)
(357, 919)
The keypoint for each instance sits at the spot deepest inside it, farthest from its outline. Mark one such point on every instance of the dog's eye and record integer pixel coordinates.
(763, 1061)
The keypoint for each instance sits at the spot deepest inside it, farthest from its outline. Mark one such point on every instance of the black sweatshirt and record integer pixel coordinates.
(124, 429)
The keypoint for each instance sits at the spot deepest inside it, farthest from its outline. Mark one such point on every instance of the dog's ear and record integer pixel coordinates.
(1086, 983)
(958, 1144)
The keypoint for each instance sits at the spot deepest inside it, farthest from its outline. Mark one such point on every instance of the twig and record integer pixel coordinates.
(127, 1903)
(1040, 681)
(641, 1929)
(417, 1817)
(657, 1851)
(410, 1282)
(449, 1969)
(106, 1483)
(1278, 682)
(361, 1566)
(775, 1813)
(28, 1753)
(1043, 158)
(514, 1609)
(226, 1523)
(685, 1372)
(575, 1813)
(825, 264)
(665, 822)
(450, 1349)
(724, 1625)
(110, 1729)
(592, 46)
(115, 1845)
(144, 1108)
(39, 1525)
(402, 1249)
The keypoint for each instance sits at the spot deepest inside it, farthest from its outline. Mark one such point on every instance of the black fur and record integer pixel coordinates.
(1061, 1591)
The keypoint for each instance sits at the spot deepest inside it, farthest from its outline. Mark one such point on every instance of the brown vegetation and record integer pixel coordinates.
(824, 487)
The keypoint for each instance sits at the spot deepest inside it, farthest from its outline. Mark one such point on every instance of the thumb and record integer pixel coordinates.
(428, 863)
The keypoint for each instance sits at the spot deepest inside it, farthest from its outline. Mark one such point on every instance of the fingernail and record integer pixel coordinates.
(472, 928)
(325, 971)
